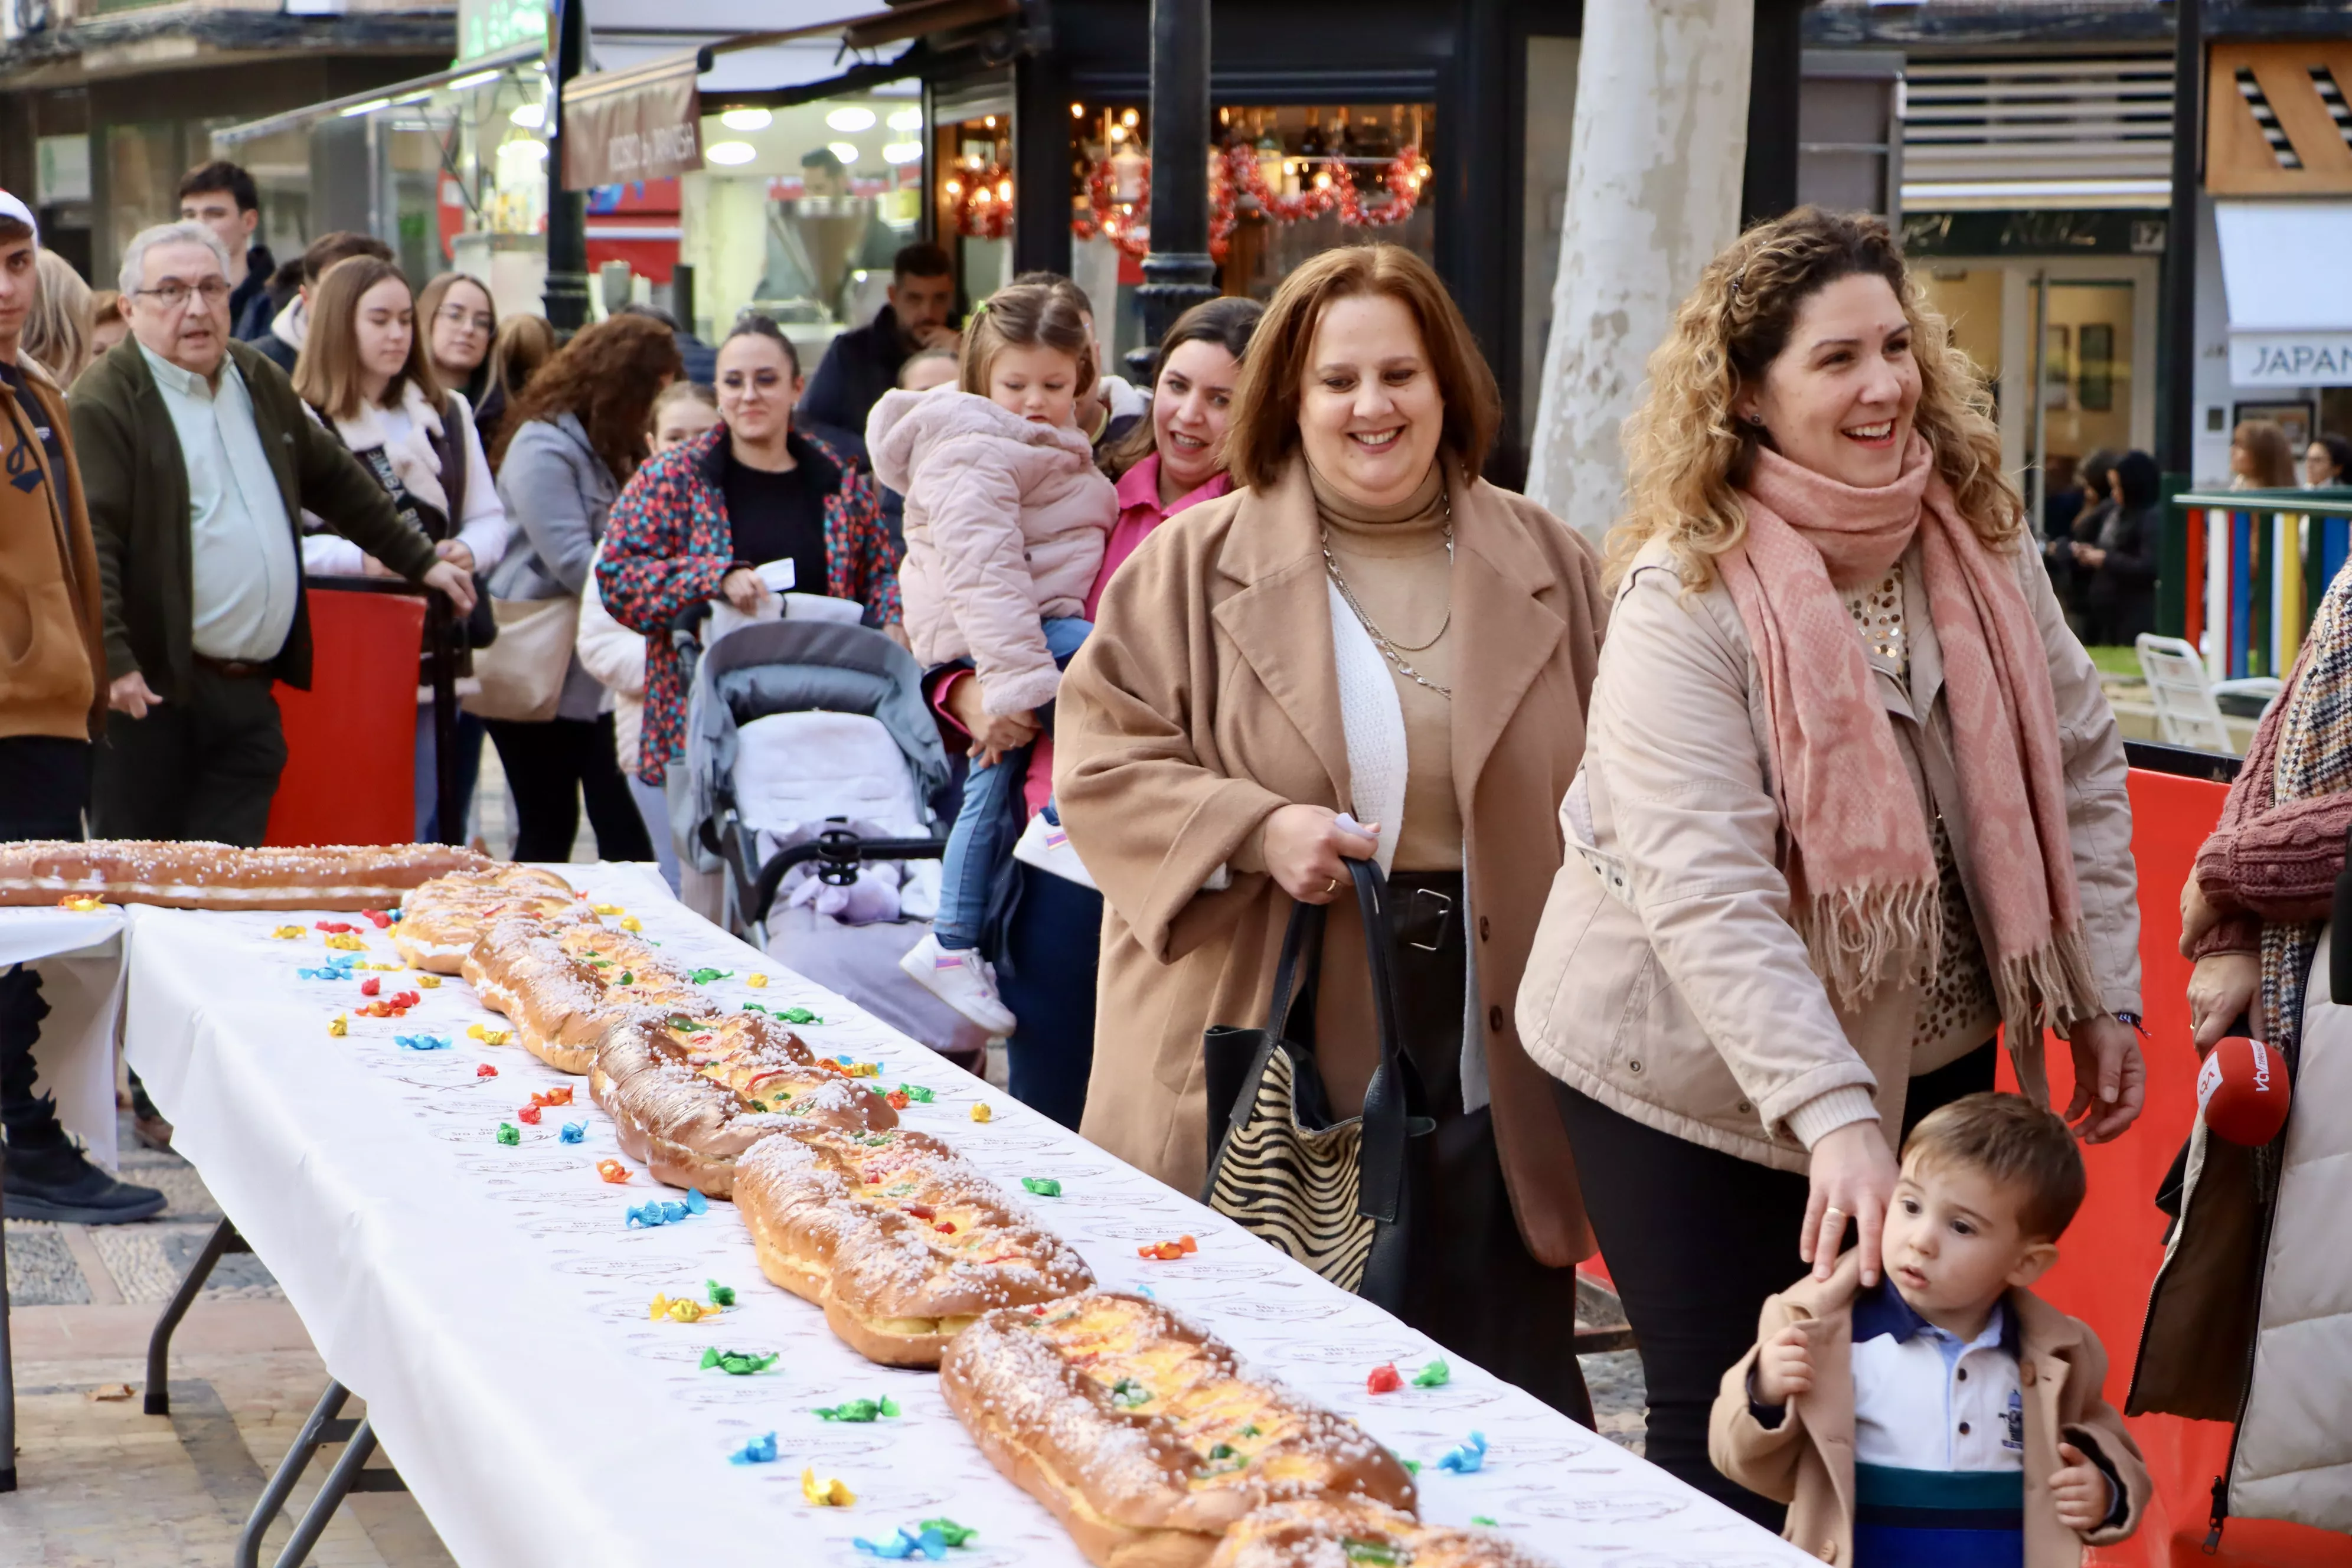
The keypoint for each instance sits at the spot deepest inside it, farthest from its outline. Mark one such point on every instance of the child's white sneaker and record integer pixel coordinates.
(960, 977)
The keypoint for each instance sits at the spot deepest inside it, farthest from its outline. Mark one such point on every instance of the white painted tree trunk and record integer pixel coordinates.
(1661, 142)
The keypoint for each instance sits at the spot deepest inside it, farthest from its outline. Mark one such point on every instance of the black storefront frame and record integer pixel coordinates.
(1467, 59)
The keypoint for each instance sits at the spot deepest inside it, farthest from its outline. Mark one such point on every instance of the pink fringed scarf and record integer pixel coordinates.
(1861, 872)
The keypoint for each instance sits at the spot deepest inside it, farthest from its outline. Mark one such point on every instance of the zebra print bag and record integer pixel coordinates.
(1336, 1194)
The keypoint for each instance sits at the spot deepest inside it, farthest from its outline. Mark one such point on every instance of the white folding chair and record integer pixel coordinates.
(2186, 711)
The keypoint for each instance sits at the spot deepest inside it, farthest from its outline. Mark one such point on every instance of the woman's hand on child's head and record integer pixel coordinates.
(1853, 1174)
(2080, 1491)
(1784, 1365)
(744, 589)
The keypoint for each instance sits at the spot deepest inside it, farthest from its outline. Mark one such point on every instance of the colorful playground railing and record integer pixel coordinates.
(2244, 571)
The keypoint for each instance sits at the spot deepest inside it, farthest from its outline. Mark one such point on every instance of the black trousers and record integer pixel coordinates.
(550, 767)
(1054, 939)
(1475, 1288)
(1696, 1240)
(44, 781)
(203, 764)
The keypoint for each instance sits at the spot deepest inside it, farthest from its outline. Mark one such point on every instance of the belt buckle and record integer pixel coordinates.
(1425, 912)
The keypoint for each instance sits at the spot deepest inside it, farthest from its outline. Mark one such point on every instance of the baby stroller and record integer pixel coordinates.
(811, 769)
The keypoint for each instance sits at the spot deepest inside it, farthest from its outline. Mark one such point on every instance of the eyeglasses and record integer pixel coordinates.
(171, 293)
(459, 315)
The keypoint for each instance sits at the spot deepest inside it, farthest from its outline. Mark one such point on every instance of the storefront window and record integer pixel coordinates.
(1286, 183)
(799, 211)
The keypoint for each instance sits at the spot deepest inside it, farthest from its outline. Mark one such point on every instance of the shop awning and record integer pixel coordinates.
(2286, 268)
(480, 68)
(644, 122)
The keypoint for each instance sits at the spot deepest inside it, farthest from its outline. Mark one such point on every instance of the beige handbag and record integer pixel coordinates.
(522, 672)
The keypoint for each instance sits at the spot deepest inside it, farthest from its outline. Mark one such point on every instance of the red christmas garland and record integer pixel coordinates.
(1237, 173)
(978, 219)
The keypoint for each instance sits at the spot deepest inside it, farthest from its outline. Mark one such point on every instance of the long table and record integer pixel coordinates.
(492, 1304)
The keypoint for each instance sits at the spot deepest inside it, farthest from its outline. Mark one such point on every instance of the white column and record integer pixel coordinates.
(1661, 143)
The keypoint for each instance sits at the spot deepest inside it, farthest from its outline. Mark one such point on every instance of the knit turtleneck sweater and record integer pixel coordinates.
(1395, 563)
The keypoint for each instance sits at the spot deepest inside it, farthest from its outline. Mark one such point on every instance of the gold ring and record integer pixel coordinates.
(1331, 886)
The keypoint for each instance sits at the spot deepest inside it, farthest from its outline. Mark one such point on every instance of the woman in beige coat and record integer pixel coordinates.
(1852, 799)
(1366, 627)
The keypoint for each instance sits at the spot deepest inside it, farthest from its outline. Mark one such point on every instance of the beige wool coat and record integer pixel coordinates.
(1667, 981)
(1207, 698)
(1807, 1461)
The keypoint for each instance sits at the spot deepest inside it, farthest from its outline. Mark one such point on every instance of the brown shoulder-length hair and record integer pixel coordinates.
(2265, 441)
(607, 378)
(327, 373)
(1688, 454)
(1264, 428)
(1022, 316)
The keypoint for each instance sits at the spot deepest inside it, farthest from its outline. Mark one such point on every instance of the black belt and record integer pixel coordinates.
(235, 669)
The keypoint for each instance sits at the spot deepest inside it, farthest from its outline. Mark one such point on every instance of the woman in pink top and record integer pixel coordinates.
(1044, 946)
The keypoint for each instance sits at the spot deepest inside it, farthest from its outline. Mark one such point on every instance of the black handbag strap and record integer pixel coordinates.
(1394, 1098)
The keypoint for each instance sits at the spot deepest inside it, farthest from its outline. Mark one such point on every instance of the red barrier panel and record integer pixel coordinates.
(350, 740)
(2109, 1255)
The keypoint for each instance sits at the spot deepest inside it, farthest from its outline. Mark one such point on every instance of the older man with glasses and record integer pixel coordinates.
(199, 461)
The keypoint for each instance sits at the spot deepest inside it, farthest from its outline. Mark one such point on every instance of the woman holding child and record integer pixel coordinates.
(1852, 799)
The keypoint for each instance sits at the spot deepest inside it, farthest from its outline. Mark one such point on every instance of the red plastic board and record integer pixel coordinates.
(350, 740)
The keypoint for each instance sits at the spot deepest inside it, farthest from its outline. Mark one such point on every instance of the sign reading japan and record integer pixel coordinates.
(2291, 359)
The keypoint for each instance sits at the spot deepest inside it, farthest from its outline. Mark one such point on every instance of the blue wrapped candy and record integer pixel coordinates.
(1465, 1459)
(334, 969)
(759, 1450)
(573, 1131)
(658, 1212)
(694, 1201)
(420, 1042)
(932, 1543)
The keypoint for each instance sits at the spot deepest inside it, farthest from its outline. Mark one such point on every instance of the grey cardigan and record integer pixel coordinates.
(558, 490)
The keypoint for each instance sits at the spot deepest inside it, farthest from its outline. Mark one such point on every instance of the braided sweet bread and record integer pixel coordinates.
(198, 875)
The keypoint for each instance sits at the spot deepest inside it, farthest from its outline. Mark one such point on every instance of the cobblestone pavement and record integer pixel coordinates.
(103, 1485)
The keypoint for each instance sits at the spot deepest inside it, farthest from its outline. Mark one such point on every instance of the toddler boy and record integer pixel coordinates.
(1947, 1417)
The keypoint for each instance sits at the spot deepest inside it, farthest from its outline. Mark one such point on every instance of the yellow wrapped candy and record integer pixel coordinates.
(756, 982)
(428, 982)
(828, 1493)
(631, 923)
(489, 1036)
(346, 942)
(606, 908)
(289, 933)
(981, 1112)
(340, 1024)
(683, 1310)
(380, 968)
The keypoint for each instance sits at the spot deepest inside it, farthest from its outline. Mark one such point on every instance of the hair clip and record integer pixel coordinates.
(1737, 279)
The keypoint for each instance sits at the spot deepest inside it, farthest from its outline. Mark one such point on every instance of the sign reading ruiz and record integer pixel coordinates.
(2291, 359)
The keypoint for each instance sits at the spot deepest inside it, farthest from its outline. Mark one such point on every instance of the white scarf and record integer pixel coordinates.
(414, 460)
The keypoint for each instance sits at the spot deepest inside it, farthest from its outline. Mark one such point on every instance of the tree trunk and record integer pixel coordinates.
(1659, 150)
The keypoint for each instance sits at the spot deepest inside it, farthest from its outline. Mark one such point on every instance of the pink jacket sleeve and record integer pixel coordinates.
(975, 518)
(2267, 861)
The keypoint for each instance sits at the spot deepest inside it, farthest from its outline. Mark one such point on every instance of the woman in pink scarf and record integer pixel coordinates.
(1047, 942)
(1852, 800)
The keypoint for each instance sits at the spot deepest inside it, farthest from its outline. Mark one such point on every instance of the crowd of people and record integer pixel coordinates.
(1719, 865)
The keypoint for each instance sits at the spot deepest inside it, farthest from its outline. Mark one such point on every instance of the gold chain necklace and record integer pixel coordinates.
(1392, 650)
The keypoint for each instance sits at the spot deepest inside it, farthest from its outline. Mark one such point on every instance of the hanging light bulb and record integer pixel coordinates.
(746, 119)
(851, 117)
(906, 119)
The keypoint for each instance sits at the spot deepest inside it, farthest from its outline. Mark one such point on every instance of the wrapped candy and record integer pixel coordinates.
(631, 923)
(798, 1015)
(683, 1310)
(509, 1134)
(907, 1543)
(485, 1070)
(952, 1533)
(486, 1034)
(428, 982)
(858, 1411)
(1169, 1251)
(573, 1131)
(756, 982)
(378, 918)
(606, 908)
(760, 1450)
(981, 1112)
(561, 1095)
(1436, 1374)
(1383, 1380)
(1465, 1459)
(370, 985)
(529, 1114)
(339, 1025)
(347, 942)
(738, 1364)
(612, 1170)
(1042, 1187)
(720, 1295)
(705, 976)
(428, 1043)
(289, 933)
(826, 1494)
(916, 1092)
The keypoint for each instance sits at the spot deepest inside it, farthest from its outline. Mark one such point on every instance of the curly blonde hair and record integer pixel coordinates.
(1687, 453)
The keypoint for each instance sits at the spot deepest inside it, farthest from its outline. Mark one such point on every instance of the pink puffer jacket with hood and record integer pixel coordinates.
(1006, 520)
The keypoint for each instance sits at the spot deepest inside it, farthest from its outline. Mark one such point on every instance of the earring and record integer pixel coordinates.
(1756, 420)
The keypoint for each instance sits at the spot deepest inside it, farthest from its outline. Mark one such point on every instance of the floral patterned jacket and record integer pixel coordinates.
(668, 543)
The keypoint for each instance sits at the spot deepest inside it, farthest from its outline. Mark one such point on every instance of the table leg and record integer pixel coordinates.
(7, 1372)
(341, 1481)
(224, 1238)
(322, 1427)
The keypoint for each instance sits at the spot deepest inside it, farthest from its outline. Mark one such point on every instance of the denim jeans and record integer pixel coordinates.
(981, 836)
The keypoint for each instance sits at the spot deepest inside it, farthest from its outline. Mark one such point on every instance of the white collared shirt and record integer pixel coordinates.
(245, 575)
(1925, 1401)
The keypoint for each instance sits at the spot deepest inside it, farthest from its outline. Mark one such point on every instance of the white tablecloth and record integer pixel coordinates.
(491, 1305)
(80, 957)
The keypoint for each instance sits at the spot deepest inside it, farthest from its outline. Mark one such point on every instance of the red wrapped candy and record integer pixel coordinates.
(370, 985)
(485, 1070)
(528, 1113)
(1384, 1380)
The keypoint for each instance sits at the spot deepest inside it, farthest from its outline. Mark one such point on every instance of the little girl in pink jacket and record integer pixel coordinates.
(1006, 520)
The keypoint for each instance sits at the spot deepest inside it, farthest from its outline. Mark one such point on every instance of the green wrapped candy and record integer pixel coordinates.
(508, 1133)
(858, 1410)
(1043, 1186)
(738, 1364)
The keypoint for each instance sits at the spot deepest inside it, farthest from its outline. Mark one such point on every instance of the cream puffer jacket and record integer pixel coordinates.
(1666, 981)
(1006, 520)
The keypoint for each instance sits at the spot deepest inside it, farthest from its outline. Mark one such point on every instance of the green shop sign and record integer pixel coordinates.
(486, 27)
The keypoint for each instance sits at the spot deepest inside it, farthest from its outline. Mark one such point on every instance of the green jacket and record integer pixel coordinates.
(137, 488)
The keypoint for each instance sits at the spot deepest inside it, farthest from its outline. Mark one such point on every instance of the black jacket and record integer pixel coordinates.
(2120, 603)
(248, 319)
(862, 364)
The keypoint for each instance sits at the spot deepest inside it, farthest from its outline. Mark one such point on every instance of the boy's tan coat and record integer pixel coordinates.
(1807, 1461)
